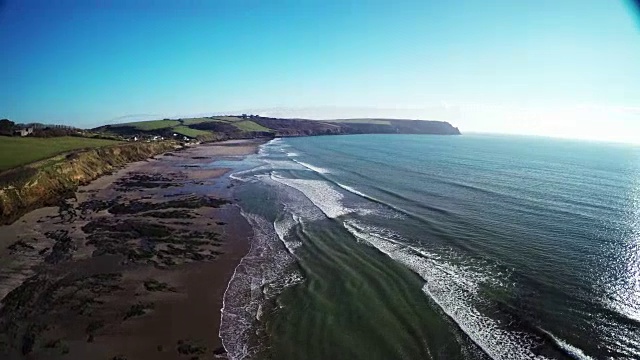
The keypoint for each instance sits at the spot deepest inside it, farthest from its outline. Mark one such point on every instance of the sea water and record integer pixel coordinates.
(437, 247)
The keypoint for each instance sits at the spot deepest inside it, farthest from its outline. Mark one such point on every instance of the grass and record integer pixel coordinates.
(151, 125)
(187, 131)
(243, 125)
(227, 118)
(16, 151)
(193, 121)
(247, 125)
(183, 126)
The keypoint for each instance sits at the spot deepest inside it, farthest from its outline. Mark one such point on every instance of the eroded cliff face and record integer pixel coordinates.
(46, 182)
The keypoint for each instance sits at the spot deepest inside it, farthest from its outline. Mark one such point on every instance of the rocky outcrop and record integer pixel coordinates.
(46, 182)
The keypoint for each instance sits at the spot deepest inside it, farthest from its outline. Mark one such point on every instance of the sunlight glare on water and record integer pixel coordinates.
(629, 294)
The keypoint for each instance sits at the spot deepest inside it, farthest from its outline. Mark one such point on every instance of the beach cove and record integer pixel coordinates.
(133, 266)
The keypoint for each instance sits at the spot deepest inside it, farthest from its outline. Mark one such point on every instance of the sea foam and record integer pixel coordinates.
(262, 274)
(317, 169)
(453, 288)
(283, 228)
(568, 348)
(321, 194)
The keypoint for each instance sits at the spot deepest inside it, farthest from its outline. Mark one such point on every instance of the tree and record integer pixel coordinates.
(6, 126)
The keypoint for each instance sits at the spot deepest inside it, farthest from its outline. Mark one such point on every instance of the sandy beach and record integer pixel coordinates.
(135, 267)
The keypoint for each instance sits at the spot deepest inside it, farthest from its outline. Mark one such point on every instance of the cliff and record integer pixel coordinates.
(250, 126)
(303, 127)
(300, 127)
(46, 182)
(393, 126)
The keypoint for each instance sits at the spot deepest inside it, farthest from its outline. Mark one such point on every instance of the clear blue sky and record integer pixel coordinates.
(502, 66)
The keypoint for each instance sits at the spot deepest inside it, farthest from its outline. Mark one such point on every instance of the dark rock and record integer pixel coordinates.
(20, 245)
(188, 347)
(63, 248)
(138, 309)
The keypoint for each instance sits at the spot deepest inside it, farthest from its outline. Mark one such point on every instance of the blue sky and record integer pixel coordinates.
(560, 67)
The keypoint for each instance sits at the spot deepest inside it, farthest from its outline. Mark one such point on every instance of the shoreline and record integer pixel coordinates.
(135, 266)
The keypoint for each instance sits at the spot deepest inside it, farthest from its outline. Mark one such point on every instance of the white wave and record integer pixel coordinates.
(321, 194)
(283, 228)
(282, 164)
(570, 349)
(263, 149)
(292, 154)
(237, 177)
(317, 169)
(272, 144)
(453, 288)
(389, 211)
(263, 273)
(246, 175)
(354, 191)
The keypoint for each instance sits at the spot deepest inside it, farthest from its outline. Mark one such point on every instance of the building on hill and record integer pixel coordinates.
(23, 131)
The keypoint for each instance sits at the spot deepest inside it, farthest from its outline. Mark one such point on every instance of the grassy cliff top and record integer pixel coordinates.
(17, 151)
(204, 128)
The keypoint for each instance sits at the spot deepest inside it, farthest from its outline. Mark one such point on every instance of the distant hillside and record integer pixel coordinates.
(251, 126)
(397, 126)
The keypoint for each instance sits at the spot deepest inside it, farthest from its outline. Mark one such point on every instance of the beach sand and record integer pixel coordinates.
(135, 267)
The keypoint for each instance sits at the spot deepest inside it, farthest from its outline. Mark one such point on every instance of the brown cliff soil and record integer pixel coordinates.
(47, 182)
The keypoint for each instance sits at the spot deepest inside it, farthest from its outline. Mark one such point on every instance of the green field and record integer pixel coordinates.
(248, 125)
(227, 118)
(152, 125)
(242, 125)
(193, 121)
(187, 131)
(16, 151)
(184, 126)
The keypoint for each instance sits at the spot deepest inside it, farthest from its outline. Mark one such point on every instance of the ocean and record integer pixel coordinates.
(437, 247)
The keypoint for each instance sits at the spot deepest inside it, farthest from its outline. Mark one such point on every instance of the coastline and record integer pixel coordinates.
(135, 266)
(49, 181)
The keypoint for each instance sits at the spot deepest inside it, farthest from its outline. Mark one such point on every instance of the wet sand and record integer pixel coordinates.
(135, 267)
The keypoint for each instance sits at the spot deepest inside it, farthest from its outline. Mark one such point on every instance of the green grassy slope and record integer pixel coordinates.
(187, 131)
(227, 118)
(16, 151)
(152, 125)
(247, 125)
(186, 127)
(238, 122)
(193, 121)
